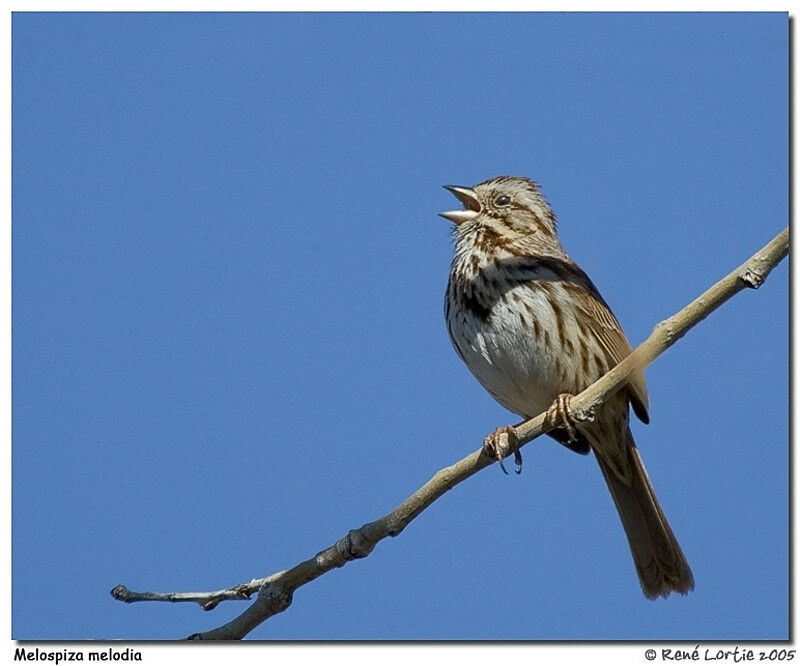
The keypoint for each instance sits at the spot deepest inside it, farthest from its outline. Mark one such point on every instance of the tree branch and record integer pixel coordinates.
(275, 592)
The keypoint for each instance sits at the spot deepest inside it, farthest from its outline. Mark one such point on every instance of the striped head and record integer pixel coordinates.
(508, 212)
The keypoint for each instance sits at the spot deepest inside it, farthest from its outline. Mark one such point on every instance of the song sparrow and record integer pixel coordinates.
(534, 330)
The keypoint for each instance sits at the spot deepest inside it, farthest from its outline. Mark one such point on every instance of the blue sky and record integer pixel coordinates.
(228, 341)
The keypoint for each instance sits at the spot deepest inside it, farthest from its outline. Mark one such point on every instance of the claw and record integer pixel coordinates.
(560, 415)
(494, 448)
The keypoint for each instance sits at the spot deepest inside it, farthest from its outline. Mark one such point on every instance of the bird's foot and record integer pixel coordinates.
(560, 415)
(497, 444)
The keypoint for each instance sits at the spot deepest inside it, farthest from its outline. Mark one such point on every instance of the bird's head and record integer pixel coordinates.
(506, 209)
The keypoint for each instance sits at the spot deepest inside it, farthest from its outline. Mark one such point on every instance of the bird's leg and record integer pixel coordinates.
(560, 415)
(496, 448)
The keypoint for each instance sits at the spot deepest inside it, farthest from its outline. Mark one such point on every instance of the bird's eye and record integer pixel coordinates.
(502, 200)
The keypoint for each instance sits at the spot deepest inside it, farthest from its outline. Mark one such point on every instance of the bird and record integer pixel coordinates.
(534, 331)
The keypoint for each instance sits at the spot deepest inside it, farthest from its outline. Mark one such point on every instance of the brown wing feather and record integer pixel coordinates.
(605, 327)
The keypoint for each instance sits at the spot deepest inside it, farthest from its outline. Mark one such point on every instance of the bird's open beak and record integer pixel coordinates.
(470, 202)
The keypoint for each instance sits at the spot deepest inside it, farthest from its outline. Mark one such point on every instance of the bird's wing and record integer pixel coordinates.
(606, 329)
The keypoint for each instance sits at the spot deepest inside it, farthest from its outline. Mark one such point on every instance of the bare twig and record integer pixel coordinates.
(207, 600)
(275, 592)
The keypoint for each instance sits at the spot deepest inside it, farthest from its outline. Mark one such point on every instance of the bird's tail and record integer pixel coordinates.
(660, 563)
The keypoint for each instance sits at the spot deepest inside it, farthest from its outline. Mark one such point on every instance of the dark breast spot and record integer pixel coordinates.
(474, 306)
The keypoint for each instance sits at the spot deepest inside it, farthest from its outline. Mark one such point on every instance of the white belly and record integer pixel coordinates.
(524, 372)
